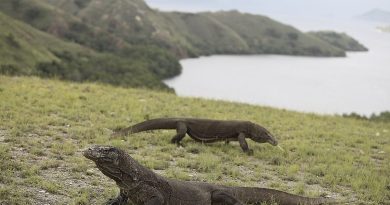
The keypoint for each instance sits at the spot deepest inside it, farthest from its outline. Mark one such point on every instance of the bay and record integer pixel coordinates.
(358, 83)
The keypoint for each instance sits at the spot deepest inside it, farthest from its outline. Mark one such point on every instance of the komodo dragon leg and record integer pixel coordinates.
(121, 199)
(154, 201)
(244, 144)
(181, 131)
(221, 197)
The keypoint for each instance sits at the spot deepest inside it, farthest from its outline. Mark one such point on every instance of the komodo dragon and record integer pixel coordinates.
(141, 186)
(206, 131)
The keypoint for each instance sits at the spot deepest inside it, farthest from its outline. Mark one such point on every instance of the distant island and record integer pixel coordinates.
(127, 43)
(376, 15)
(384, 29)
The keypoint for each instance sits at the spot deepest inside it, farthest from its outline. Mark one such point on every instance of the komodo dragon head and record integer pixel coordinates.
(117, 164)
(107, 159)
(102, 154)
(262, 135)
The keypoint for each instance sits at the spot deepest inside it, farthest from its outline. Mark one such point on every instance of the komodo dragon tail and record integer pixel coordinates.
(259, 195)
(160, 123)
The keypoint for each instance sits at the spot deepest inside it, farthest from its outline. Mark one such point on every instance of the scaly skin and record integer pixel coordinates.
(142, 186)
(206, 131)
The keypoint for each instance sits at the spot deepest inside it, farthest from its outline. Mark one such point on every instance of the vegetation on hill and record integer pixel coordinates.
(197, 34)
(264, 35)
(104, 68)
(27, 51)
(22, 46)
(61, 24)
(44, 125)
(381, 117)
(340, 40)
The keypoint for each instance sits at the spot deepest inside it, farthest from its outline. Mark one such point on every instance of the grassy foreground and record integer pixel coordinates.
(44, 124)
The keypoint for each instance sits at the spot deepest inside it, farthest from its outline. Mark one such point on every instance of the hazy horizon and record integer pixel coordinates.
(317, 8)
(286, 11)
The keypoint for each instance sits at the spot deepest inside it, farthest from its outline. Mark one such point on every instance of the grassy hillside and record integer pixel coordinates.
(27, 51)
(73, 28)
(44, 124)
(22, 46)
(60, 23)
(340, 40)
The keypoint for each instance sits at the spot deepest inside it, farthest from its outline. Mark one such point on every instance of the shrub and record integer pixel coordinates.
(273, 33)
(292, 36)
(381, 117)
(81, 3)
(10, 69)
(15, 4)
(104, 68)
(33, 13)
(11, 40)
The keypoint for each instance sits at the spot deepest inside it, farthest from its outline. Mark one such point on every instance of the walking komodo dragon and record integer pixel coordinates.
(141, 186)
(206, 131)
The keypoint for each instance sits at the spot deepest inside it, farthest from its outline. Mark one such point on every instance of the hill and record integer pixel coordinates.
(44, 125)
(339, 40)
(377, 15)
(191, 35)
(69, 27)
(25, 50)
(264, 35)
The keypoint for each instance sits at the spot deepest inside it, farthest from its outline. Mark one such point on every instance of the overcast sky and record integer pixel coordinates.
(279, 8)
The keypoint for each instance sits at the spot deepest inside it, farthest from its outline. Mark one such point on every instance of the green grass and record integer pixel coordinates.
(44, 125)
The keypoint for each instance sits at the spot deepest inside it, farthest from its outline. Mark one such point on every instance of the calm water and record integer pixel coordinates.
(359, 83)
